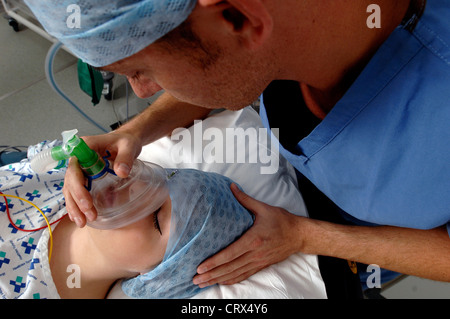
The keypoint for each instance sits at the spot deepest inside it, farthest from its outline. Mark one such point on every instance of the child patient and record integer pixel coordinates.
(159, 253)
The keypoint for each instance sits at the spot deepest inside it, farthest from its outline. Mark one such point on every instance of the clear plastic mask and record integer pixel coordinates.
(123, 201)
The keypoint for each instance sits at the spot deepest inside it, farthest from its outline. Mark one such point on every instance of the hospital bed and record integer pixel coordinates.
(296, 277)
(18, 13)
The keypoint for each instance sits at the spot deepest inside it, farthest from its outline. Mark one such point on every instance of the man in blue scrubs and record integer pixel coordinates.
(363, 115)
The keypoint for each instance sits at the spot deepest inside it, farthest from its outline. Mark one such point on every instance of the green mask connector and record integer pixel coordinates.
(91, 163)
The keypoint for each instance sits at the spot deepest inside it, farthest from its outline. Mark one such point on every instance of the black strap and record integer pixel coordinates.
(413, 14)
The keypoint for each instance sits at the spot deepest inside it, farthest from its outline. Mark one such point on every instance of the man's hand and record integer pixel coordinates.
(273, 237)
(125, 144)
(124, 149)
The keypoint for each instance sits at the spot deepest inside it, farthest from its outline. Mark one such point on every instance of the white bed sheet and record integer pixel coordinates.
(296, 277)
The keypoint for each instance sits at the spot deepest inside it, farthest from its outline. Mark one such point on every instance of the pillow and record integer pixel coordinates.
(263, 174)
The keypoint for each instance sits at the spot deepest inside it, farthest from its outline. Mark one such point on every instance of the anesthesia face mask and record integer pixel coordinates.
(123, 201)
(119, 201)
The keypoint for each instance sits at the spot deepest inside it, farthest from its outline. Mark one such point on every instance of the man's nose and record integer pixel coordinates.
(144, 88)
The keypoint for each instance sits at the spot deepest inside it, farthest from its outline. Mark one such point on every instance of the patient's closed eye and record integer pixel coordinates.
(155, 220)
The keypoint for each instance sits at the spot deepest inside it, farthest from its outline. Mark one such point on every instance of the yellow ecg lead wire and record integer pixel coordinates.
(50, 248)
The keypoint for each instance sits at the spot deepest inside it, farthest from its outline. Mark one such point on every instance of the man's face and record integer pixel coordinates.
(213, 70)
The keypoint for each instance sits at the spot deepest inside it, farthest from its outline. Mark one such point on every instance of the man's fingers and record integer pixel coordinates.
(74, 212)
(264, 244)
(230, 262)
(122, 169)
(237, 259)
(78, 199)
(221, 273)
(225, 256)
(247, 201)
(230, 273)
(128, 150)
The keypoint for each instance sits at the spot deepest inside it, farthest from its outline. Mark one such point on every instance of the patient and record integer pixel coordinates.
(159, 253)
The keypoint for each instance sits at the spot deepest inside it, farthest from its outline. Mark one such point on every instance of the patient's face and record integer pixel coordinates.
(140, 246)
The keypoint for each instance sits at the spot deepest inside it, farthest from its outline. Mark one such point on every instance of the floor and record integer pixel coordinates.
(30, 106)
(32, 112)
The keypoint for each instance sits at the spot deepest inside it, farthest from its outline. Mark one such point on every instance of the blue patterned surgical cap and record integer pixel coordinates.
(206, 217)
(101, 32)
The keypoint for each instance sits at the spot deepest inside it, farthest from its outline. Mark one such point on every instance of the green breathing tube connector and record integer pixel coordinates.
(56, 157)
(91, 163)
(119, 202)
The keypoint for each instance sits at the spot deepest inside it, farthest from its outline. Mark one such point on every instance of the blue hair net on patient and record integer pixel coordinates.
(109, 30)
(206, 218)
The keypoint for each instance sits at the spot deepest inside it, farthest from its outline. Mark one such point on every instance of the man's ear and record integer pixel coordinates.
(248, 19)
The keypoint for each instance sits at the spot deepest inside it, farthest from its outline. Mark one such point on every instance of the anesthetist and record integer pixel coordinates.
(363, 111)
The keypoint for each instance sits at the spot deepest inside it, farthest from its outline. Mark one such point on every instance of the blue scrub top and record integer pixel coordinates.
(382, 154)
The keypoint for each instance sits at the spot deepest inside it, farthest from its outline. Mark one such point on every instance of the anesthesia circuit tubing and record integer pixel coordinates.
(50, 248)
(49, 73)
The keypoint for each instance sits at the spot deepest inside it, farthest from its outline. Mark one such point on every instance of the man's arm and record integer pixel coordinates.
(423, 253)
(125, 144)
(161, 118)
(276, 234)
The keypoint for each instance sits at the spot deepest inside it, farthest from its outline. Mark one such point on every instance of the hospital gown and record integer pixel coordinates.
(24, 264)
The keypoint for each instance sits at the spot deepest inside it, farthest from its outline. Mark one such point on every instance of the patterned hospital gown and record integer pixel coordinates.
(24, 265)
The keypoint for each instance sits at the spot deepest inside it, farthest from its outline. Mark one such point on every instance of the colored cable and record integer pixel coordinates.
(32, 230)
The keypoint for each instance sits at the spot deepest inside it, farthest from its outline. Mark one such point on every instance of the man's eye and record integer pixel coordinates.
(136, 76)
